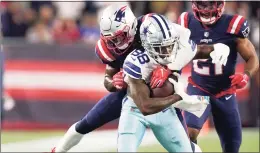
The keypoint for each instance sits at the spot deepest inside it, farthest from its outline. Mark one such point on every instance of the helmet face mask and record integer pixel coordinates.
(162, 52)
(208, 12)
(117, 41)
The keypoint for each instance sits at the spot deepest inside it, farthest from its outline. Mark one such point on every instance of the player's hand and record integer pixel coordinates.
(118, 80)
(220, 54)
(159, 76)
(195, 104)
(178, 86)
(239, 80)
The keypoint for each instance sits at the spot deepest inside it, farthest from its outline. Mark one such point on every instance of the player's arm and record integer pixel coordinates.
(108, 80)
(218, 52)
(140, 93)
(248, 53)
(200, 51)
(113, 80)
(246, 50)
(203, 51)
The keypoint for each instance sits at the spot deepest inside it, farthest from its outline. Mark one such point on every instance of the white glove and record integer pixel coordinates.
(220, 54)
(193, 104)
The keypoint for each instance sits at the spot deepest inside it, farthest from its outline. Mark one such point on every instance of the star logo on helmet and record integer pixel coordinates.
(146, 30)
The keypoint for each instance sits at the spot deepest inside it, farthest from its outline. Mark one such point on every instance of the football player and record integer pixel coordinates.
(119, 36)
(209, 25)
(162, 41)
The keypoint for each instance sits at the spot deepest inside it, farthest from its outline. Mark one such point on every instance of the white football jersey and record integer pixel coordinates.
(139, 65)
(187, 49)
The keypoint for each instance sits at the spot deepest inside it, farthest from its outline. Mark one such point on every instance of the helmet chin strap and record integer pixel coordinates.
(208, 21)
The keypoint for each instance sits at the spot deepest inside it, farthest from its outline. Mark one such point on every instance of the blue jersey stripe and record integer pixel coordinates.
(131, 72)
(133, 67)
(165, 24)
(160, 25)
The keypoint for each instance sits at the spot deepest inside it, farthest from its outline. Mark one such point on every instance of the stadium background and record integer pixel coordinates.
(52, 77)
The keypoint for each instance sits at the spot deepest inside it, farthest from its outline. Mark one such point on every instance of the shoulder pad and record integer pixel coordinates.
(103, 53)
(132, 66)
(184, 32)
(184, 19)
(239, 26)
(186, 53)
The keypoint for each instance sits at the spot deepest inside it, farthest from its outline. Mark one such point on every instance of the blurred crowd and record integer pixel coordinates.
(66, 22)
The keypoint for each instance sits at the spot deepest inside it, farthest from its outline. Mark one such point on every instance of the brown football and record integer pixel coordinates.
(166, 90)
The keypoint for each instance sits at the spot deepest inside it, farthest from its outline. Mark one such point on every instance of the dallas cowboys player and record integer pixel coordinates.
(162, 41)
(119, 35)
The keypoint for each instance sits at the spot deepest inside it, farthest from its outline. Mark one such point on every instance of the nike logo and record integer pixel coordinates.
(227, 98)
(245, 23)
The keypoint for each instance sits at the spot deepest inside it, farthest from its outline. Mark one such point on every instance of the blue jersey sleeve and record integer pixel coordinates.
(104, 54)
(239, 26)
(244, 30)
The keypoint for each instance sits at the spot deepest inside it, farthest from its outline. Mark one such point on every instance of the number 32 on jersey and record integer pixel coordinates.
(204, 68)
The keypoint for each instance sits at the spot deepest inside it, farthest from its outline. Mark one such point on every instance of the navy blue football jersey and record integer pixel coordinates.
(112, 59)
(214, 77)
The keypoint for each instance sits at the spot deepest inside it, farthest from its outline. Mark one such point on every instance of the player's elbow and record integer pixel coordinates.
(146, 109)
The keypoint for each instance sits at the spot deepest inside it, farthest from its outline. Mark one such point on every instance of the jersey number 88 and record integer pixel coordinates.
(142, 58)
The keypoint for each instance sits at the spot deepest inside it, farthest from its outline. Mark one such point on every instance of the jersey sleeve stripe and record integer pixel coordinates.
(104, 52)
(123, 8)
(133, 67)
(183, 19)
(99, 54)
(131, 73)
(235, 25)
(108, 53)
(231, 23)
(239, 25)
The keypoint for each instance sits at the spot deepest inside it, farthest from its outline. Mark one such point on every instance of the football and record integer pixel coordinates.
(166, 90)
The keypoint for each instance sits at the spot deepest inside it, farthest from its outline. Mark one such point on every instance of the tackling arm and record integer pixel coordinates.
(108, 80)
(248, 53)
(203, 51)
(140, 94)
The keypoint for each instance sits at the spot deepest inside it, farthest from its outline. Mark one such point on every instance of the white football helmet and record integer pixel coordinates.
(159, 38)
(118, 27)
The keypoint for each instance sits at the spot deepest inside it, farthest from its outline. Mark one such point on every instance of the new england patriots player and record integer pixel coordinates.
(209, 25)
(162, 42)
(119, 36)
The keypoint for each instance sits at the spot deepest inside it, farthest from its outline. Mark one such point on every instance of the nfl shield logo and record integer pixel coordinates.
(206, 34)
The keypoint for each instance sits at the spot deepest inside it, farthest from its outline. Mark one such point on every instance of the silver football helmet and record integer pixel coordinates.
(159, 38)
(118, 27)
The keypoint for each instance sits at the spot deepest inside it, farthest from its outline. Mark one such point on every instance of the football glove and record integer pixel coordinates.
(118, 80)
(239, 80)
(159, 76)
(220, 54)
